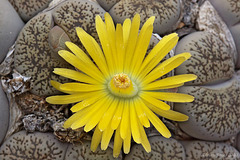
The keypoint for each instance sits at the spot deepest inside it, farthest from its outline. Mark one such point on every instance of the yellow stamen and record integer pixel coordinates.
(122, 86)
(121, 81)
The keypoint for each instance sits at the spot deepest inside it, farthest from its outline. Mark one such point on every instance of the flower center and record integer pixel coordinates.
(121, 81)
(122, 86)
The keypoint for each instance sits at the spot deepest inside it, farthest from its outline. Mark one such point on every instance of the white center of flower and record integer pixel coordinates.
(122, 86)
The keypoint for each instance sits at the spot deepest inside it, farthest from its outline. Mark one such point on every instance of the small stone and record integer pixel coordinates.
(33, 56)
(4, 114)
(107, 4)
(214, 114)
(196, 150)
(210, 60)
(77, 13)
(81, 151)
(229, 10)
(161, 148)
(22, 146)
(10, 24)
(29, 8)
(166, 12)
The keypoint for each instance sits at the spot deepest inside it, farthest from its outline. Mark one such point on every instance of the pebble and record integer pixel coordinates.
(161, 148)
(167, 13)
(214, 115)
(210, 60)
(10, 27)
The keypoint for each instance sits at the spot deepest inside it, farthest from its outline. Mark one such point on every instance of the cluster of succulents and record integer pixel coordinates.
(38, 29)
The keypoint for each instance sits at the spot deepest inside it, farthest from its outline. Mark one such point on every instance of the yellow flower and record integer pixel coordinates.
(119, 88)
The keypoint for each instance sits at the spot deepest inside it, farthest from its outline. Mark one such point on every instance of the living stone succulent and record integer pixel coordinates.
(162, 148)
(211, 61)
(33, 54)
(214, 45)
(28, 9)
(32, 146)
(167, 13)
(196, 150)
(214, 115)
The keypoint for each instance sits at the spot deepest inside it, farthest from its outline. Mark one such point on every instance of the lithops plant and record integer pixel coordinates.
(107, 4)
(229, 10)
(33, 56)
(57, 38)
(162, 148)
(10, 27)
(4, 114)
(215, 113)
(235, 30)
(196, 150)
(82, 14)
(210, 60)
(167, 13)
(32, 146)
(81, 151)
(29, 8)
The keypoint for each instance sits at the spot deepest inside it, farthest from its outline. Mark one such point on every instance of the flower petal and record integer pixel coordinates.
(140, 113)
(169, 114)
(57, 85)
(154, 101)
(132, 41)
(127, 142)
(93, 49)
(157, 123)
(120, 48)
(106, 137)
(145, 143)
(95, 96)
(86, 117)
(117, 143)
(96, 138)
(126, 30)
(65, 99)
(124, 126)
(142, 45)
(82, 56)
(105, 42)
(96, 118)
(170, 81)
(80, 87)
(166, 67)
(75, 117)
(118, 115)
(79, 64)
(75, 75)
(134, 124)
(164, 46)
(107, 117)
(172, 97)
